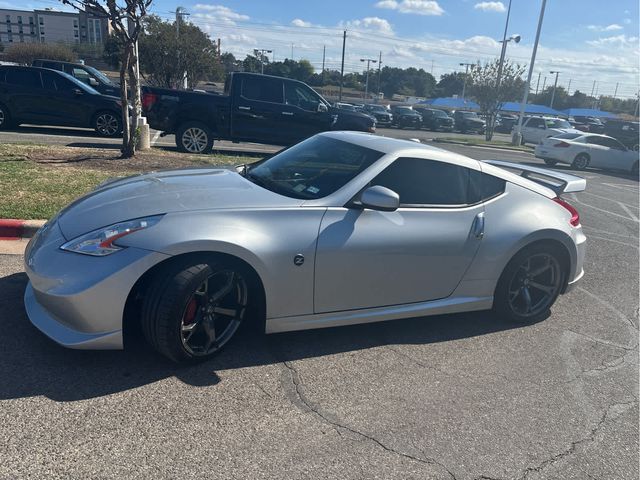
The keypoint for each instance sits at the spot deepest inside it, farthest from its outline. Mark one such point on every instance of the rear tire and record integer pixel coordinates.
(193, 309)
(5, 117)
(194, 137)
(581, 161)
(107, 124)
(530, 284)
(550, 162)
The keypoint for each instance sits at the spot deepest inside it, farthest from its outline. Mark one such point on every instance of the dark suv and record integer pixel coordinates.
(86, 74)
(383, 116)
(48, 97)
(406, 117)
(590, 124)
(626, 133)
(434, 119)
(468, 122)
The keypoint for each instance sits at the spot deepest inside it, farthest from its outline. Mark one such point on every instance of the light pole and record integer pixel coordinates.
(517, 136)
(466, 74)
(555, 84)
(366, 88)
(261, 52)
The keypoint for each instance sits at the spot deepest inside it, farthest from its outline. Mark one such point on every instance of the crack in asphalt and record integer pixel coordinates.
(297, 383)
(575, 444)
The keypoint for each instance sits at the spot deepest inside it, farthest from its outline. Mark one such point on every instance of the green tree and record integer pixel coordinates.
(483, 87)
(111, 51)
(26, 53)
(450, 84)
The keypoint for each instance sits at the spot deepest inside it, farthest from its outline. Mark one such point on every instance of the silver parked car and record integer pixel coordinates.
(342, 228)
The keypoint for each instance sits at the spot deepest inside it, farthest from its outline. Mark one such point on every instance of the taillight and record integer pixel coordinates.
(562, 145)
(148, 99)
(575, 216)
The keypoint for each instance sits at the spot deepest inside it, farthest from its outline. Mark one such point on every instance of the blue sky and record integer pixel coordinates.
(585, 40)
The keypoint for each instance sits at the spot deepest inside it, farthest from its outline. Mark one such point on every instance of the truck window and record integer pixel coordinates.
(301, 96)
(262, 89)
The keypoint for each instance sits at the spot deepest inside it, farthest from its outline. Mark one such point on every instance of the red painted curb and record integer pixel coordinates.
(11, 229)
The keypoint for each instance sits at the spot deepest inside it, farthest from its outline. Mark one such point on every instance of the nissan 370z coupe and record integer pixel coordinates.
(342, 228)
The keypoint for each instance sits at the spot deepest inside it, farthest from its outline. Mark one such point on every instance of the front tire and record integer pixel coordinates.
(550, 162)
(194, 137)
(107, 124)
(193, 309)
(5, 117)
(530, 284)
(581, 161)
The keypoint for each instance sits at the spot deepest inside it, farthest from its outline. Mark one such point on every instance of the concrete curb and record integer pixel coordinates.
(497, 147)
(12, 229)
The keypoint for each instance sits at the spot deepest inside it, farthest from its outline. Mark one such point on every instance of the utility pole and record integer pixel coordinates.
(180, 12)
(503, 51)
(593, 88)
(261, 52)
(544, 82)
(466, 74)
(379, 73)
(324, 51)
(292, 51)
(555, 84)
(538, 84)
(517, 136)
(366, 88)
(569, 87)
(344, 43)
(615, 93)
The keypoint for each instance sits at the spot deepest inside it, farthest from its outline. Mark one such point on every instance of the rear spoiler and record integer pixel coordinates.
(557, 181)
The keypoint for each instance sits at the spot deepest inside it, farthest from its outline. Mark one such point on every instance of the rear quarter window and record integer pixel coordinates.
(483, 187)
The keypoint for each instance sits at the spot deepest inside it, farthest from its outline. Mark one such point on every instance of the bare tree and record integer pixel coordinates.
(482, 87)
(126, 20)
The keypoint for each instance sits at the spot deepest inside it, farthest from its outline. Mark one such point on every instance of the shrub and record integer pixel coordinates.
(26, 53)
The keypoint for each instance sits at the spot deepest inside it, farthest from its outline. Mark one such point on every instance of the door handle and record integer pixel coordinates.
(244, 108)
(289, 114)
(478, 225)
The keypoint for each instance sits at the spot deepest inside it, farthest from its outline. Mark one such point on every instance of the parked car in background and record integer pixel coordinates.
(406, 117)
(343, 228)
(627, 133)
(49, 97)
(582, 150)
(383, 116)
(254, 108)
(86, 74)
(505, 123)
(434, 119)
(465, 121)
(535, 129)
(577, 125)
(590, 124)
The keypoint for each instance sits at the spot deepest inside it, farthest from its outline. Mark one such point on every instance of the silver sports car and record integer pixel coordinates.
(339, 229)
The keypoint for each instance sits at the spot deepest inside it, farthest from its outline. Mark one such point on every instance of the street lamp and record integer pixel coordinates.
(261, 51)
(555, 84)
(466, 74)
(366, 88)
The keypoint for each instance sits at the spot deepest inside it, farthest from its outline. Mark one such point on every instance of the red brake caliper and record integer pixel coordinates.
(190, 312)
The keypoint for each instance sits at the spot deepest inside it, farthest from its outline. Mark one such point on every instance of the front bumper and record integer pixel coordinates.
(78, 300)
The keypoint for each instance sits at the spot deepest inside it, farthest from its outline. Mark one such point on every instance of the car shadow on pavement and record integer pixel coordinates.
(33, 365)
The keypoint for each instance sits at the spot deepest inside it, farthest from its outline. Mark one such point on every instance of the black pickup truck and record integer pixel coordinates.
(254, 108)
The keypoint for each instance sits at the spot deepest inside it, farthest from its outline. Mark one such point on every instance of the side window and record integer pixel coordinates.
(24, 78)
(263, 89)
(52, 65)
(425, 182)
(483, 187)
(612, 143)
(49, 80)
(595, 141)
(300, 96)
(81, 75)
(535, 123)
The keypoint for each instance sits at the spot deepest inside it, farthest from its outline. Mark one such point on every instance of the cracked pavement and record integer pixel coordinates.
(449, 397)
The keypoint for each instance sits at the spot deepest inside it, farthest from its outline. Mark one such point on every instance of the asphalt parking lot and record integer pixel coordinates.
(446, 397)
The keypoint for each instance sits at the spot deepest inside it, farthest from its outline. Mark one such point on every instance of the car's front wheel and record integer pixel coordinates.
(530, 284)
(107, 124)
(550, 162)
(194, 137)
(581, 161)
(192, 310)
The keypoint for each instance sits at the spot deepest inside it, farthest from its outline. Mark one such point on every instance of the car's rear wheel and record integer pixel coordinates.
(530, 284)
(5, 117)
(107, 124)
(193, 309)
(581, 161)
(550, 162)
(194, 137)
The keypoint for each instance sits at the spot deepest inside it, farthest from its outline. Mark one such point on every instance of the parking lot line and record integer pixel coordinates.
(608, 212)
(629, 212)
(155, 137)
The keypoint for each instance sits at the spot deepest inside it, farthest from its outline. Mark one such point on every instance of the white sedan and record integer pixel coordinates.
(582, 150)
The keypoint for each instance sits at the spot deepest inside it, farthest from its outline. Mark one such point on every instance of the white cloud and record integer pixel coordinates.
(218, 13)
(605, 28)
(617, 40)
(490, 7)
(370, 23)
(418, 7)
(297, 22)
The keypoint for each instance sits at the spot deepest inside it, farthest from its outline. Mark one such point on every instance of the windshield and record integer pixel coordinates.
(80, 84)
(314, 168)
(404, 110)
(377, 108)
(557, 123)
(568, 136)
(439, 113)
(100, 76)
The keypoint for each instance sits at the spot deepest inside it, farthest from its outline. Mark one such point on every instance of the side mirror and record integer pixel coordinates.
(93, 82)
(380, 198)
(77, 91)
(322, 108)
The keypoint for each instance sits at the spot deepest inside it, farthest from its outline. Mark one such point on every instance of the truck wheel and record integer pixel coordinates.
(194, 137)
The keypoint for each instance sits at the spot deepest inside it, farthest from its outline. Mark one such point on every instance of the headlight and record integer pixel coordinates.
(101, 242)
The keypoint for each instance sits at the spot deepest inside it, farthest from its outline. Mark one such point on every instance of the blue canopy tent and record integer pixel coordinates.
(451, 103)
(530, 109)
(588, 112)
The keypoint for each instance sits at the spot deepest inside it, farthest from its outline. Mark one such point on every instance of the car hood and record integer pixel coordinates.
(565, 130)
(165, 192)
